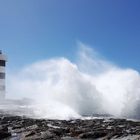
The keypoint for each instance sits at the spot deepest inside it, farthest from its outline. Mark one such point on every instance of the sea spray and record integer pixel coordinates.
(64, 89)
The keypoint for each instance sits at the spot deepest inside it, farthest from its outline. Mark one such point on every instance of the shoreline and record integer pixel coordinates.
(23, 128)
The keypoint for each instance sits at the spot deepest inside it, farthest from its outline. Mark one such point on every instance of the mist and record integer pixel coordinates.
(60, 88)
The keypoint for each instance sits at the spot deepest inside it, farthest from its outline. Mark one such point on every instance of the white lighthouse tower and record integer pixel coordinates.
(2, 75)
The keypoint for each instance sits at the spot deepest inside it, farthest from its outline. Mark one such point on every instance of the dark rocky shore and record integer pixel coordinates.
(22, 128)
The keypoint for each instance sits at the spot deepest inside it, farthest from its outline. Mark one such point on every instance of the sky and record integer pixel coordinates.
(33, 30)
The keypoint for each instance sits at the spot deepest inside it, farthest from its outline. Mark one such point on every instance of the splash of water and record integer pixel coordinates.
(91, 85)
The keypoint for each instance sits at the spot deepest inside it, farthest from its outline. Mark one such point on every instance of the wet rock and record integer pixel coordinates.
(93, 135)
(31, 133)
(47, 135)
(4, 132)
(58, 132)
(35, 129)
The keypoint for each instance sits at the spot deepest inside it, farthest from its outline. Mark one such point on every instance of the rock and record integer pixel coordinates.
(93, 135)
(47, 135)
(4, 132)
(35, 129)
(31, 133)
(57, 132)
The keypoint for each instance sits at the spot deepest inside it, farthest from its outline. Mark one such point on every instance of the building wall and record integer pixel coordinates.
(2, 76)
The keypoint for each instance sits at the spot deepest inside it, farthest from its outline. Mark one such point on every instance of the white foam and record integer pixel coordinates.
(91, 85)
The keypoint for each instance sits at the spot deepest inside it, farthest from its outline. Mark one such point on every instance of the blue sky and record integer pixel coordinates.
(31, 30)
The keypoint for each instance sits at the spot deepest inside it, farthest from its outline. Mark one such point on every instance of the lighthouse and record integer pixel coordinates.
(2, 75)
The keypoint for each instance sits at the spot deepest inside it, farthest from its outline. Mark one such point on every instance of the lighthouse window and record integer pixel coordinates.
(2, 75)
(2, 62)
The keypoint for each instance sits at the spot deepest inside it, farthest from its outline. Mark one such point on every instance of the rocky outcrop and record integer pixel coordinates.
(36, 129)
